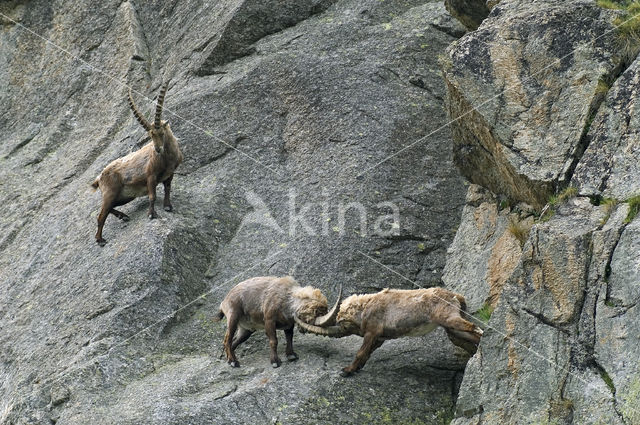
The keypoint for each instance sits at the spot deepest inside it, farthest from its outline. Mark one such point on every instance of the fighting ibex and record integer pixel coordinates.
(138, 173)
(271, 303)
(395, 313)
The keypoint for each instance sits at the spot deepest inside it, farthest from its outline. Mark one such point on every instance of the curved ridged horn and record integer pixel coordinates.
(163, 91)
(331, 331)
(137, 114)
(330, 318)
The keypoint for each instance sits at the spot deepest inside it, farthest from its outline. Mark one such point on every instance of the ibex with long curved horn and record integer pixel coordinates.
(271, 303)
(138, 173)
(396, 313)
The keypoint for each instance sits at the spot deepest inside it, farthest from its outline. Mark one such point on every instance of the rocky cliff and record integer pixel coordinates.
(283, 111)
(546, 92)
(316, 144)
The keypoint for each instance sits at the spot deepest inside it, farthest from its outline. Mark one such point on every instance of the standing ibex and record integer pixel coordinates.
(395, 313)
(271, 303)
(138, 173)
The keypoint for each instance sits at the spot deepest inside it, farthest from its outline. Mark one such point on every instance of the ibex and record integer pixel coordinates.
(271, 303)
(395, 313)
(138, 173)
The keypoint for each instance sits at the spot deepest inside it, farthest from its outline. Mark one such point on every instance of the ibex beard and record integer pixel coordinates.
(271, 303)
(138, 173)
(396, 313)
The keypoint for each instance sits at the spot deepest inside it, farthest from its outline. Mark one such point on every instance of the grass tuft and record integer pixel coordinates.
(629, 23)
(568, 193)
(554, 200)
(565, 195)
(519, 229)
(484, 313)
(628, 26)
(609, 205)
(634, 208)
(504, 203)
(611, 4)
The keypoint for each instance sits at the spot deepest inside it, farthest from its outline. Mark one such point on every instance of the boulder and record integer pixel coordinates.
(609, 166)
(556, 348)
(521, 91)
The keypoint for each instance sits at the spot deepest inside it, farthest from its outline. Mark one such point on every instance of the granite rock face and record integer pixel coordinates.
(287, 114)
(485, 251)
(522, 89)
(315, 145)
(609, 167)
(551, 340)
(558, 347)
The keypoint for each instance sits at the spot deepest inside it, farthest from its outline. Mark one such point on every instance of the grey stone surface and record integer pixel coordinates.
(610, 166)
(484, 252)
(287, 113)
(536, 361)
(560, 348)
(617, 327)
(275, 108)
(526, 85)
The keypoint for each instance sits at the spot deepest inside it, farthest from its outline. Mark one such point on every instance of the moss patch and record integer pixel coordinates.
(607, 380)
(630, 399)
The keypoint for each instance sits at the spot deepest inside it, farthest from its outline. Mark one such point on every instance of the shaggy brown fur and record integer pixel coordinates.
(268, 303)
(138, 173)
(395, 313)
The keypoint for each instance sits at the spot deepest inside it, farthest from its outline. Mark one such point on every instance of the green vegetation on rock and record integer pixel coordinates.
(520, 229)
(609, 204)
(628, 25)
(630, 398)
(484, 313)
(555, 200)
(634, 207)
(563, 196)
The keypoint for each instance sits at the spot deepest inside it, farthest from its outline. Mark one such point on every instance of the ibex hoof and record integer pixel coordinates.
(345, 373)
(124, 218)
(168, 208)
(275, 364)
(234, 364)
(101, 242)
(292, 357)
(152, 216)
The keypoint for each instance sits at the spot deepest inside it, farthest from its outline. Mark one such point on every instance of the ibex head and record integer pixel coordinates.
(310, 306)
(160, 132)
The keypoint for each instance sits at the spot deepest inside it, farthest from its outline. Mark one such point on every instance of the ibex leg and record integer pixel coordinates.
(369, 345)
(167, 194)
(291, 355)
